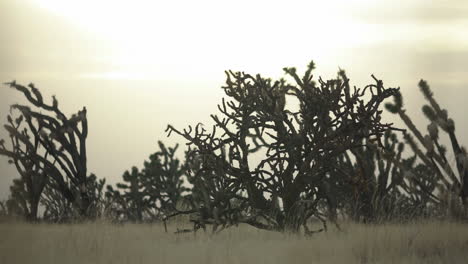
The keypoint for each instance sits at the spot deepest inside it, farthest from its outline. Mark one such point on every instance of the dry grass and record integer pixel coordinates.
(105, 243)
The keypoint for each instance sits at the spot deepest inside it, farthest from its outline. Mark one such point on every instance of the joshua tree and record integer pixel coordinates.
(27, 190)
(433, 154)
(295, 147)
(51, 144)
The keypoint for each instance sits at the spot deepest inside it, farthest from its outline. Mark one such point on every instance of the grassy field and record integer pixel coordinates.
(429, 242)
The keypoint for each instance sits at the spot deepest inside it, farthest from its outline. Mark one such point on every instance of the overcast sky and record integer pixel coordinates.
(139, 65)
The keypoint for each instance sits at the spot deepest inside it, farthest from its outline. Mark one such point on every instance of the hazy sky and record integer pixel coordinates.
(139, 65)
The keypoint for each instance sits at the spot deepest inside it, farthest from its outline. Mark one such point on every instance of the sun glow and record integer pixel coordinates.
(203, 37)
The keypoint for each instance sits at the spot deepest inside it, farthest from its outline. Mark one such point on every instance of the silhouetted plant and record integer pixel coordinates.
(155, 191)
(366, 179)
(296, 148)
(163, 181)
(211, 200)
(3, 211)
(117, 208)
(26, 190)
(132, 196)
(419, 183)
(382, 183)
(444, 182)
(20, 196)
(11, 209)
(96, 193)
(59, 209)
(56, 208)
(50, 144)
(16, 206)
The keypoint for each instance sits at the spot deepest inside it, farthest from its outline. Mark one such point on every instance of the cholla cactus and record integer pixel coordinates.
(212, 198)
(368, 179)
(153, 192)
(131, 193)
(297, 146)
(433, 154)
(163, 178)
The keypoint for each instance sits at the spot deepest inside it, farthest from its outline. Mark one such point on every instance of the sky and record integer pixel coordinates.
(140, 65)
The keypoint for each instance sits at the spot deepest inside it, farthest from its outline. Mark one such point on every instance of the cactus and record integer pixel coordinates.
(131, 195)
(163, 179)
(49, 145)
(28, 188)
(297, 146)
(212, 199)
(431, 152)
(58, 209)
(153, 192)
(366, 179)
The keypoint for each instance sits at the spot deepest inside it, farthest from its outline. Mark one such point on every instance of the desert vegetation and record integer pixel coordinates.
(297, 156)
(97, 242)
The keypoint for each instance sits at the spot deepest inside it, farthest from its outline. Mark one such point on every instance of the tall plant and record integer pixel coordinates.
(296, 146)
(449, 181)
(48, 143)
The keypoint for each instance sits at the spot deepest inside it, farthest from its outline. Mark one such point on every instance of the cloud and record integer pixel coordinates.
(419, 11)
(36, 43)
